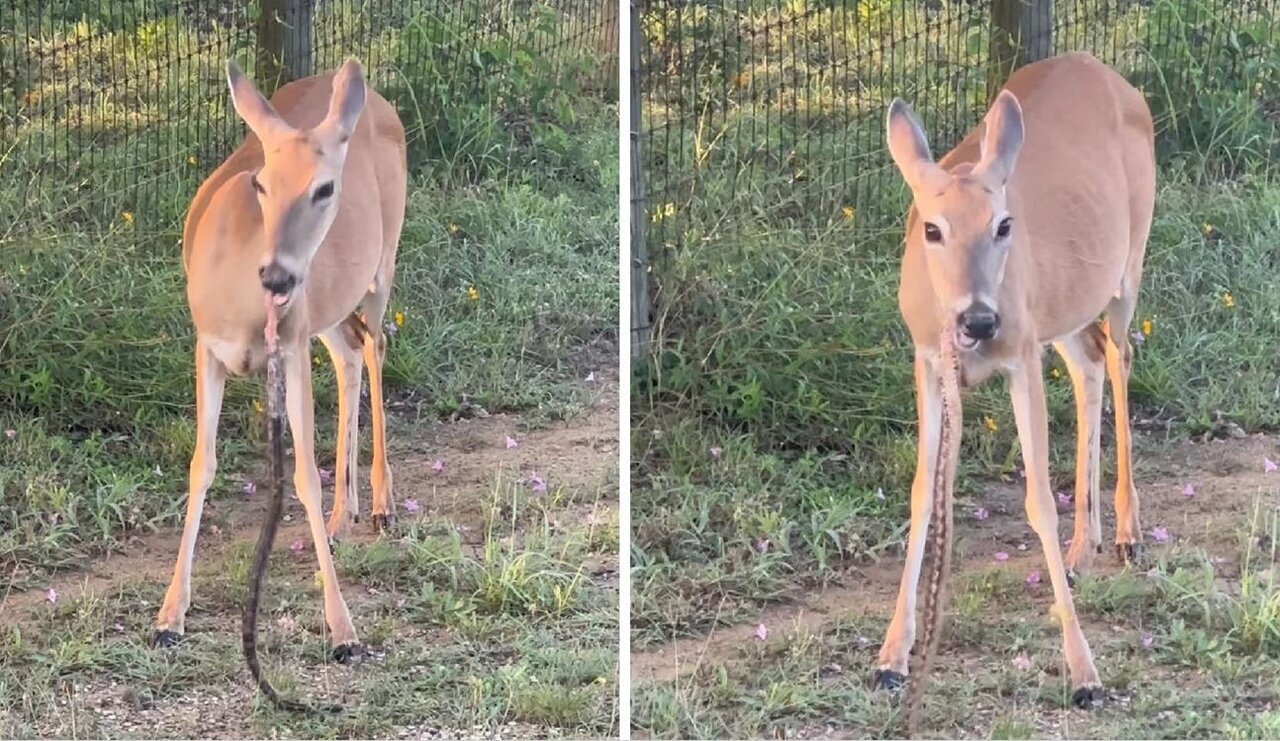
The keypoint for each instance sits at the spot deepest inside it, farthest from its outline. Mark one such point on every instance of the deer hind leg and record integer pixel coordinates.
(1119, 315)
(1084, 354)
(306, 480)
(895, 653)
(344, 343)
(375, 353)
(211, 379)
(1026, 387)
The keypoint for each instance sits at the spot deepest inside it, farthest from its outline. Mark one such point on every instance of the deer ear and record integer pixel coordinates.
(1002, 139)
(348, 99)
(908, 145)
(254, 109)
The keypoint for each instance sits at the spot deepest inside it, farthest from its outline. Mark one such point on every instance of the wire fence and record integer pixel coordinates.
(115, 110)
(772, 112)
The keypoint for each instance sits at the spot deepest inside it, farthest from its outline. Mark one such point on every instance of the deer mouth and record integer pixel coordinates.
(965, 342)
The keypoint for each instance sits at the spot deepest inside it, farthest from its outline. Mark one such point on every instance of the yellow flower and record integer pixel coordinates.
(399, 318)
(1056, 373)
(191, 160)
(257, 406)
(1146, 327)
(1206, 229)
(1228, 300)
(127, 216)
(453, 228)
(848, 212)
(667, 211)
(315, 360)
(990, 423)
(472, 293)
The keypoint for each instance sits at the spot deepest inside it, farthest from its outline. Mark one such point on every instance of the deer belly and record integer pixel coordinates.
(237, 356)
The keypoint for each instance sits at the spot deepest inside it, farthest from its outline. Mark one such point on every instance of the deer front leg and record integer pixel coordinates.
(343, 344)
(1026, 386)
(306, 480)
(895, 653)
(211, 379)
(1084, 355)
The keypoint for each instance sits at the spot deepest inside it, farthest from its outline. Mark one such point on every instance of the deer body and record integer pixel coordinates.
(1033, 227)
(306, 212)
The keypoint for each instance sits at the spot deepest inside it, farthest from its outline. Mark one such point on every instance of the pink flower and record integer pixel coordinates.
(51, 595)
(1033, 578)
(297, 545)
(981, 513)
(1268, 465)
(1188, 491)
(1064, 500)
(10, 434)
(1148, 641)
(438, 466)
(1138, 338)
(1021, 662)
(411, 506)
(249, 488)
(762, 633)
(539, 485)
(762, 545)
(391, 329)
(1159, 535)
(510, 442)
(326, 477)
(715, 452)
(1001, 556)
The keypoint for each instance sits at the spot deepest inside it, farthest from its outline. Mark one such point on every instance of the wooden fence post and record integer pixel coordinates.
(1021, 32)
(641, 307)
(285, 29)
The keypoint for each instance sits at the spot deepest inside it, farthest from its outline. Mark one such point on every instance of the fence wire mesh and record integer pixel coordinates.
(115, 110)
(772, 112)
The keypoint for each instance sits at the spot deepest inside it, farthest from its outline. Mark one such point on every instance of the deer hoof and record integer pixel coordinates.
(1089, 697)
(347, 652)
(382, 523)
(1130, 554)
(165, 639)
(888, 679)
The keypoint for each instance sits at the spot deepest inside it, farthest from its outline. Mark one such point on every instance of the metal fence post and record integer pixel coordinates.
(1021, 32)
(285, 29)
(641, 307)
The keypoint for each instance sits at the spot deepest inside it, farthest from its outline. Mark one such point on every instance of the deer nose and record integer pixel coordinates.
(979, 322)
(276, 279)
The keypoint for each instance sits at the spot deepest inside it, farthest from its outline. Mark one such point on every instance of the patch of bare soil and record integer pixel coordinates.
(1227, 477)
(580, 451)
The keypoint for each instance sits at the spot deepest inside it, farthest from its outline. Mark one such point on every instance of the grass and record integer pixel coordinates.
(461, 638)
(1187, 647)
(773, 434)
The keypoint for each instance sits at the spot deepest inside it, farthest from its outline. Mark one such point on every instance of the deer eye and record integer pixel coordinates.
(932, 233)
(1006, 224)
(257, 185)
(323, 192)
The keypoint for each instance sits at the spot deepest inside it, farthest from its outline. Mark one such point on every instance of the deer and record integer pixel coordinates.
(301, 223)
(1030, 232)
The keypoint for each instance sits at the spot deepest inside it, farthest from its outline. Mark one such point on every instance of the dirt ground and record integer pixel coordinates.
(578, 455)
(1233, 493)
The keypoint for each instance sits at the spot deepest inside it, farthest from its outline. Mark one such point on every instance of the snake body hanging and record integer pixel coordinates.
(940, 527)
